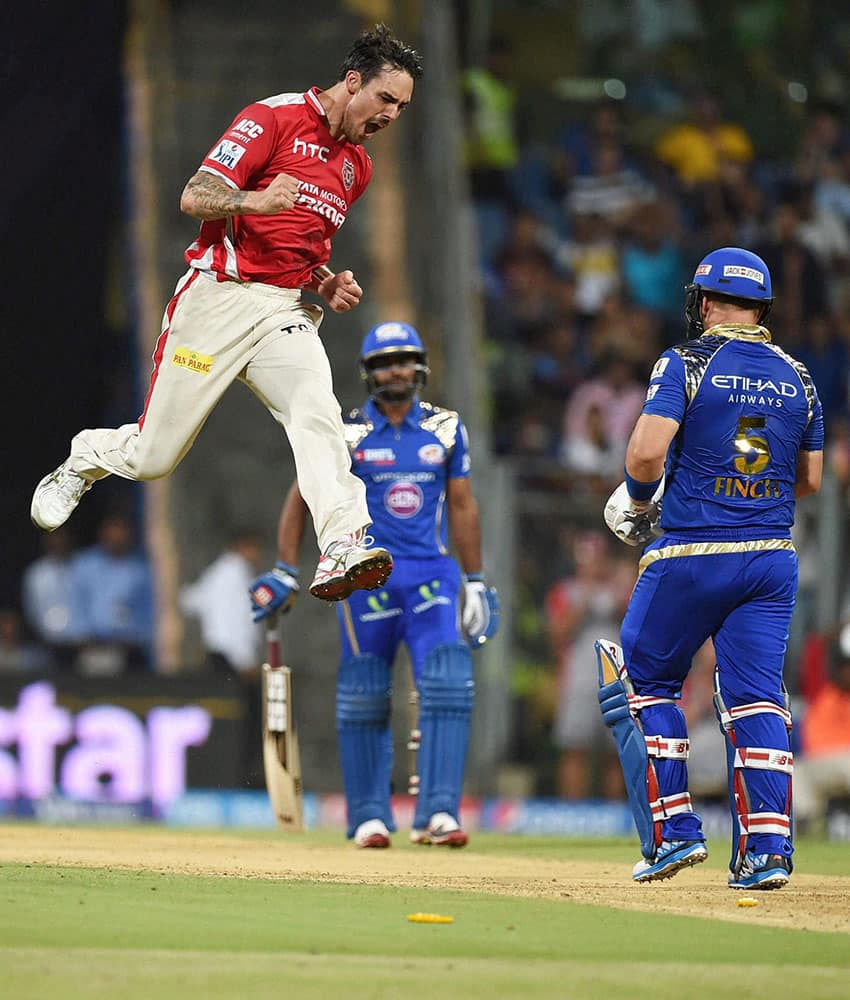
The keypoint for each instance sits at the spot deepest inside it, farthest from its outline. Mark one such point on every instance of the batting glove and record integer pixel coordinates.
(635, 522)
(480, 616)
(274, 591)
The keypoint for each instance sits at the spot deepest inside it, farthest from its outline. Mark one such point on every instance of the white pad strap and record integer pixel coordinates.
(667, 747)
(729, 715)
(765, 759)
(765, 822)
(670, 805)
(638, 702)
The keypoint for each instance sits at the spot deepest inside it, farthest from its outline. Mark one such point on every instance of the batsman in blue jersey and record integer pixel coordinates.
(414, 459)
(730, 434)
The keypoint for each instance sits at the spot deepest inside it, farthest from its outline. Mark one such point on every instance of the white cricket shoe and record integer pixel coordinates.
(372, 833)
(443, 831)
(56, 497)
(350, 564)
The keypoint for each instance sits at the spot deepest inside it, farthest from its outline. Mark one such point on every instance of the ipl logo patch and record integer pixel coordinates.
(227, 153)
(348, 174)
(403, 500)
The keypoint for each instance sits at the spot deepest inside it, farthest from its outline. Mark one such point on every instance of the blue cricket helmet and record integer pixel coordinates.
(730, 272)
(388, 340)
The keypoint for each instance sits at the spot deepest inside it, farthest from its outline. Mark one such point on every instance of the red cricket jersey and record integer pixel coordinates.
(283, 134)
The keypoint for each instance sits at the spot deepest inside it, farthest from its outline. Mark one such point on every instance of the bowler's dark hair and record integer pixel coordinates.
(378, 48)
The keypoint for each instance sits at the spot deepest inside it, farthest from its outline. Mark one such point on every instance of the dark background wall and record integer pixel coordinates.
(63, 347)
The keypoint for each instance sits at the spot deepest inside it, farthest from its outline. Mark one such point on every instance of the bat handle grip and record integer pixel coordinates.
(273, 641)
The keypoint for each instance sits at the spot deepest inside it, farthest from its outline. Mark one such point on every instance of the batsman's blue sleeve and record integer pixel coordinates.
(814, 433)
(666, 395)
(460, 463)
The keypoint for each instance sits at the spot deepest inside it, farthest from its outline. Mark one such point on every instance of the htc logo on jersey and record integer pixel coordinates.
(311, 149)
(757, 489)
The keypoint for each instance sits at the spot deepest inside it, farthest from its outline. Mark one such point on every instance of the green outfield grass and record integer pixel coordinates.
(96, 933)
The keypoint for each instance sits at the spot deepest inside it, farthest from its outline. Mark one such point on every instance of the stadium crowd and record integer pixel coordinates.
(586, 240)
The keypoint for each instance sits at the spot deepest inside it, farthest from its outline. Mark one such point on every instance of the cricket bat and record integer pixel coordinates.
(281, 757)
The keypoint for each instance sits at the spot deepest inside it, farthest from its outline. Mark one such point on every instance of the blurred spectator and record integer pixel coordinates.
(19, 655)
(827, 358)
(748, 210)
(529, 433)
(832, 188)
(707, 157)
(492, 149)
(520, 304)
(613, 190)
(537, 188)
(622, 331)
(558, 363)
(699, 148)
(600, 416)
(47, 596)
(823, 770)
(112, 611)
(799, 281)
(579, 142)
(837, 457)
(821, 230)
(592, 255)
(824, 141)
(218, 599)
(654, 270)
(579, 610)
(592, 453)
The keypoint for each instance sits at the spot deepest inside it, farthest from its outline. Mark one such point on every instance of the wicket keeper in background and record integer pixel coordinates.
(270, 195)
(413, 458)
(740, 426)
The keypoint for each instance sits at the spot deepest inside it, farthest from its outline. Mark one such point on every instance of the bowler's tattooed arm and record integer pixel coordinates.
(209, 197)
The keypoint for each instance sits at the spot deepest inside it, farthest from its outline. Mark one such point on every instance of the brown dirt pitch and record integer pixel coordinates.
(811, 902)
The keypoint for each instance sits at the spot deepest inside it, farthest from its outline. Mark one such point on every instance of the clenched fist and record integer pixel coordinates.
(341, 291)
(279, 196)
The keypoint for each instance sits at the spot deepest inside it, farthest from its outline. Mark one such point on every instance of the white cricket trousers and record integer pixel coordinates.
(212, 333)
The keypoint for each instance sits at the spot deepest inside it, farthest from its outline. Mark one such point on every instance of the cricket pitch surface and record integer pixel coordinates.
(812, 902)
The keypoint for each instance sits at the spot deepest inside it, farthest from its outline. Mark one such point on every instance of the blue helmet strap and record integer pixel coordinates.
(693, 311)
